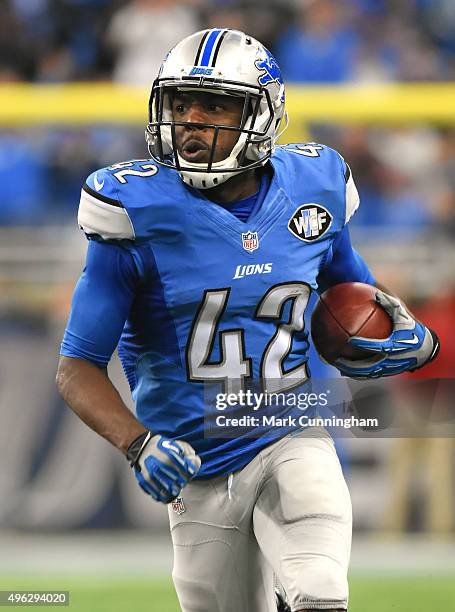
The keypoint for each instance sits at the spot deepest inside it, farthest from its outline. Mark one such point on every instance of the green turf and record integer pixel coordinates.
(118, 594)
(417, 594)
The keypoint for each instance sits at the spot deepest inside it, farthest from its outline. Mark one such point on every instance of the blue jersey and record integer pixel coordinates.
(194, 296)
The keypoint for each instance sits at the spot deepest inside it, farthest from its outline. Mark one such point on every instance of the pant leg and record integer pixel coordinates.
(218, 566)
(303, 521)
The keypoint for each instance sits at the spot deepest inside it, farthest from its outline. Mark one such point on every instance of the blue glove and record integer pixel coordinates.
(162, 467)
(410, 345)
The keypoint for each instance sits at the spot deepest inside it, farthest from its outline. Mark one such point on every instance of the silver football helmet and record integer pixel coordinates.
(225, 62)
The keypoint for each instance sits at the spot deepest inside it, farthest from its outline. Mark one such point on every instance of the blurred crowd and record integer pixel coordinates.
(315, 41)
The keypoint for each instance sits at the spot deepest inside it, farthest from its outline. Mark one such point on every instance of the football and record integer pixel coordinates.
(343, 311)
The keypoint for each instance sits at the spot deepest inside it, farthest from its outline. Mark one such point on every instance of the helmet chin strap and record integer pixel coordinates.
(207, 180)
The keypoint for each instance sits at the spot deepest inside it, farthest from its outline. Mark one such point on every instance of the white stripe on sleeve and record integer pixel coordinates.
(352, 198)
(103, 219)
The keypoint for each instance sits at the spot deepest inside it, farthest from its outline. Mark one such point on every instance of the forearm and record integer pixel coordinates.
(88, 391)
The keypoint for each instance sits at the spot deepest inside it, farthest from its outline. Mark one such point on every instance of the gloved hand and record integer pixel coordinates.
(410, 345)
(162, 467)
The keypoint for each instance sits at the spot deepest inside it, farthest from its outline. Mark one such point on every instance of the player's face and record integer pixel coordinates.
(194, 143)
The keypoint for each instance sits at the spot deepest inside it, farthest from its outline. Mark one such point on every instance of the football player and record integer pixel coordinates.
(201, 261)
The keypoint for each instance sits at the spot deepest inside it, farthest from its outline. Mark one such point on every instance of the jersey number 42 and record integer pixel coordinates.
(234, 366)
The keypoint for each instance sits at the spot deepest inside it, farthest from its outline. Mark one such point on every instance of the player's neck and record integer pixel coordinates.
(239, 187)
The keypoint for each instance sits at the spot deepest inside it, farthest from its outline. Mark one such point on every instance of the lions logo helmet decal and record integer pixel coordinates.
(271, 71)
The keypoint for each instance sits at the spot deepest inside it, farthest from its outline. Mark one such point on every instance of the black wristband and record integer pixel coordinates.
(136, 447)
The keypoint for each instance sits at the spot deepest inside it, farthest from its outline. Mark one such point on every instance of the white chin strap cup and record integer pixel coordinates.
(206, 180)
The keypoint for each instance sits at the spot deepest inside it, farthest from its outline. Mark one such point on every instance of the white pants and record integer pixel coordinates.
(288, 513)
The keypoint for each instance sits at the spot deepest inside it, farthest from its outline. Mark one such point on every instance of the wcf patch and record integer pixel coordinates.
(310, 222)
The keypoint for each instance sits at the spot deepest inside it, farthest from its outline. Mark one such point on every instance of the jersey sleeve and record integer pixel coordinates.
(101, 302)
(343, 264)
(101, 212)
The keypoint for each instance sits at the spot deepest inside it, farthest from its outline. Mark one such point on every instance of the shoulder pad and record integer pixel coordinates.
(116, 201)
(101, 212)
(334, 168)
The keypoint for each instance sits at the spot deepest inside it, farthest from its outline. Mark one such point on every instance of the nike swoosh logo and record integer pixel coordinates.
(414, 340)
(167, 444)
(98, 185)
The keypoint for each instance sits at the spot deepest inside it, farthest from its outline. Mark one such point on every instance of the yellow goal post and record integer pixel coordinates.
(24, 104)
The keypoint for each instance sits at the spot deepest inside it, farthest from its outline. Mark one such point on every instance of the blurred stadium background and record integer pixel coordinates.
(374, 79)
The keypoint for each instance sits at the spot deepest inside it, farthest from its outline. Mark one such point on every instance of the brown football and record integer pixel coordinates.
(346, 310)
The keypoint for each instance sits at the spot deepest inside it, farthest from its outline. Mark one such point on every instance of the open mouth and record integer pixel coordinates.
(194, 150)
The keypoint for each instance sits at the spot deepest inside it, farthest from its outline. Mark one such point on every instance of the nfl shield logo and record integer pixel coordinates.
(178, 506)
(250, 241)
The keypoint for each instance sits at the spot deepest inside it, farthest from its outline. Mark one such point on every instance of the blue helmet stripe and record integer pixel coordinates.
(209, 46)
